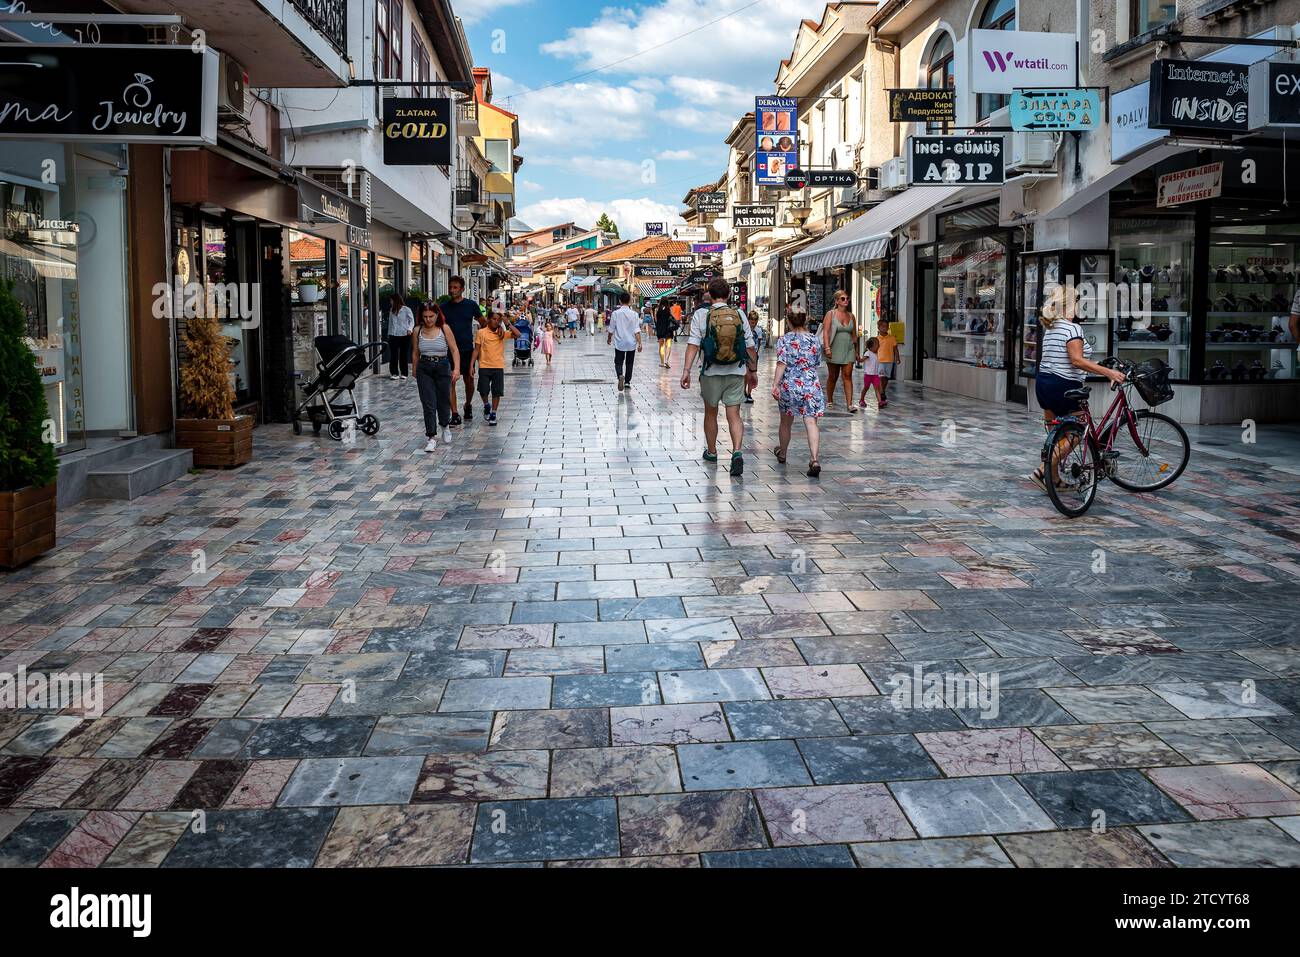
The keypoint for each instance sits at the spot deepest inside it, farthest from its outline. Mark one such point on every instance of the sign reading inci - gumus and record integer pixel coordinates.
(956, 160)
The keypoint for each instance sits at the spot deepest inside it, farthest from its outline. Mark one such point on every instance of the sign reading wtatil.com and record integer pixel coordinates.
(1004, 60)
(753, 217)
(1061, 109)
(956, 160)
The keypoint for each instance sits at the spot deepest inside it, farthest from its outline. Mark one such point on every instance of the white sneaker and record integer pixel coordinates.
(394, 377)
(446, 437)
(404, 378)
(432, 446)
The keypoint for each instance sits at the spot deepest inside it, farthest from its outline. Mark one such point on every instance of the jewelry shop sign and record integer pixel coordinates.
(956, 160)
(122, 93)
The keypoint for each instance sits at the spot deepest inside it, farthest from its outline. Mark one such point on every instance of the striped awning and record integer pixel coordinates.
(867, 237)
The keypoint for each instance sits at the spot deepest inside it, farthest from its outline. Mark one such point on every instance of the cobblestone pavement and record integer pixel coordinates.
(568, 640)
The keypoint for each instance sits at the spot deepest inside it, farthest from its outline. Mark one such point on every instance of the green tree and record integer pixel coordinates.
(607, 224)
(26, 458)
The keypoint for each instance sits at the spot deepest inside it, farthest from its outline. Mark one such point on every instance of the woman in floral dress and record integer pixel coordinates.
(798, 388)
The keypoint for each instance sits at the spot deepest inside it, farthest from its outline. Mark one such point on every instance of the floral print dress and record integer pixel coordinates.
(799, 393)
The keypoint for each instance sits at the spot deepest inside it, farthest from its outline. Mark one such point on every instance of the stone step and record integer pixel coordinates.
(139, 474)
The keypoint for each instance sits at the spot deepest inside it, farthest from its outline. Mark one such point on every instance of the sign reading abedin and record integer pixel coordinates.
(1002, 60)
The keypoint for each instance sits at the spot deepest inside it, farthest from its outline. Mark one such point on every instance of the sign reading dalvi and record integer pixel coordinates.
(1190, 185)
(123, 93)
(417, 131)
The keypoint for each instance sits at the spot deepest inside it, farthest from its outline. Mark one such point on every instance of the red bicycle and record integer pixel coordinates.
(1140, 451)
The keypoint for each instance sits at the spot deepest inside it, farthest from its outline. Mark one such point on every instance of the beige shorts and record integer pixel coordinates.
(722, 390)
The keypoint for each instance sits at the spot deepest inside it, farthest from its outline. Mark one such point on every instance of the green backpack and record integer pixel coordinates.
(724, 340)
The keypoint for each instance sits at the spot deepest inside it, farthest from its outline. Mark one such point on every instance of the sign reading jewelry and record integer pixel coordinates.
(417, 131)
(955, 160)
(753, 217)
(1200, 95)
(122, 93)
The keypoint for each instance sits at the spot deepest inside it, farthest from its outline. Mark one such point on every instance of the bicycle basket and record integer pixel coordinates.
(1151, 379)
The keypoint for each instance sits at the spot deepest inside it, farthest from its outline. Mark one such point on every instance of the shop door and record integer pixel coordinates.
(926, 315)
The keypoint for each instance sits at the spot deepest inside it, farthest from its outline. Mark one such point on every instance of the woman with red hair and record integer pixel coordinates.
(437, 367)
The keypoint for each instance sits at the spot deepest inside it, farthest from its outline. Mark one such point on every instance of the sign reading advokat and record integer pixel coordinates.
(123, 93)
(956, 160)
(1201, 96)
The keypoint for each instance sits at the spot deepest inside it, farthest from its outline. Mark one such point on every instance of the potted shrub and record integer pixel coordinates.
(209, 426)
(28, 467)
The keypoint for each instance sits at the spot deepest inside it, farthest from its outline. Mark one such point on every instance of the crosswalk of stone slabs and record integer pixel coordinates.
(567, 641)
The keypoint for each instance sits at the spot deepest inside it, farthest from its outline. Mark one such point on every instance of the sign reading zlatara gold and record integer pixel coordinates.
(417, 132)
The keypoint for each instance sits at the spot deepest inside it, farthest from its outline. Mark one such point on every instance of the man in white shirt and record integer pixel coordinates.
(625, 336)
(731, 365)
(589, 317)
(571, 320)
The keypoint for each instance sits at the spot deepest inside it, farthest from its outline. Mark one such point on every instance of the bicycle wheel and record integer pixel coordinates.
(1077, 469)
(1159, 459)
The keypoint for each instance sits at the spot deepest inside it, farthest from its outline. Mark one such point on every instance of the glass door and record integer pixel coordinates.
(927, 309)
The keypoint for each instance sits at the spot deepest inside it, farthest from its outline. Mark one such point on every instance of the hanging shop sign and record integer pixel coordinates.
(1003, 60)
(776, 119)
(602, 271)
(123, 93)
(1274, 94)
(753, 217)
(1190, 185)
(654, 229)
(320, 204)
(956, 160)
(1060, 109)
(418, 131)
(923, 106)
(1198, 96)
(652, 272)
(708, 248)
(715, 203)
(740, 296)
(681, 261)
(690, 234)
(796, 179)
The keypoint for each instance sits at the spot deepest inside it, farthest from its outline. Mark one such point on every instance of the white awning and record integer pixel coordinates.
(867, 237)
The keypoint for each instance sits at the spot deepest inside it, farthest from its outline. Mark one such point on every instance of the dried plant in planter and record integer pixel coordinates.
(206, 392)
(26, 458)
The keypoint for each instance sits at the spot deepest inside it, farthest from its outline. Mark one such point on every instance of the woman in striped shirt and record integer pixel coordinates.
(1064, 359)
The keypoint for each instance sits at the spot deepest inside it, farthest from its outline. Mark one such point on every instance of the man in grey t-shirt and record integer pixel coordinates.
(723, 384)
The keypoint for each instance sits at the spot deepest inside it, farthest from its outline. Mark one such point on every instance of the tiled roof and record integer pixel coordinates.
(650, 247)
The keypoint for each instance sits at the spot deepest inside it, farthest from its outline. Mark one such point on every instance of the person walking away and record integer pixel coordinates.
(756, 337)
(548, 342)
(721, 333)
(625, 336)
(1064, 362)
(462, 316)
(888, 359)
(840, 343)
(437, 367)
(490, 357)
(871, 374)
(798, 388)
(589, 317)
(401, 323)
(665, 327)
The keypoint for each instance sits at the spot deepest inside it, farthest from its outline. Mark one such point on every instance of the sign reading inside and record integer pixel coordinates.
(956, 160)
(753, 217)
(132, 94)
(1065, 109)
(923, 106)
(1200, 95)
(1190, 185)
(1274, 94)
(776, 119)
(417, 132)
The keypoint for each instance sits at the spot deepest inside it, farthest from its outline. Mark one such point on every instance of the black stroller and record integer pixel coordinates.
(340, 362)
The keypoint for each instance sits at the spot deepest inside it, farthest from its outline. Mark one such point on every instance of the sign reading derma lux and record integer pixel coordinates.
(417, 132)
(956, 160)
(1002, 60)
(776, 119)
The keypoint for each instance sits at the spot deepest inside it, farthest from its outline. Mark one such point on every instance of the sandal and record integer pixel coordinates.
(780, 456)
(814, 469)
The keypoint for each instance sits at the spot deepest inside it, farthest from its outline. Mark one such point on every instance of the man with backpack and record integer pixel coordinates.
(721, 334)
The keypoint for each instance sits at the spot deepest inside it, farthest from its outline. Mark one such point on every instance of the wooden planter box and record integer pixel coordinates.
(27, 520)
(217, 443)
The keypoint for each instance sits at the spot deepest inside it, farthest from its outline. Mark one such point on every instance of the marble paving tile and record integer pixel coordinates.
(496, 694)
(549, 830)
(1218, 700)
(1221, 791)
(338, 782)
(963, 806)
(835, 814)
(28, 844)
(1120, 847)
(668, 724)
(308, 737)
(1240, 843)
(691, 823)
(556, 661)
(1087, 799)
(884, 715)
(742, 764)
(261, 785)
(867, 758)
(1088, 747)
(558, 728)
(430, 835)
(285, 837)
(755, 720)
(1222, 741)
(1105, 705)
(495, 776)
(724, 684)
(507, 636)
(818, 681)
(92, 840)
(938, 852)
(662, 656)
(1003, 751)
(782, 858)
(605, 772)
(846, 649)
(151, 839)
(626, 689)
(159, 786)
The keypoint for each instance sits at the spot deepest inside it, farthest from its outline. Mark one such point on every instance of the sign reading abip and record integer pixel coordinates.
(956, 160)
(1003, 60)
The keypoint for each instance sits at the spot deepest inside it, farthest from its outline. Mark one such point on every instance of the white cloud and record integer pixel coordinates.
(735, 50)
(677, 156)
(712, 92)
(704, 121)
(597, 167)
(475, 11)
(528, 186)
(630, 215)
(577, 115)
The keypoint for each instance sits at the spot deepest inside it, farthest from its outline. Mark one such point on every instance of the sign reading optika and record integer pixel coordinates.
(417, 131)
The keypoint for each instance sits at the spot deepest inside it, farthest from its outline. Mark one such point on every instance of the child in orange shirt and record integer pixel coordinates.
(888, 354)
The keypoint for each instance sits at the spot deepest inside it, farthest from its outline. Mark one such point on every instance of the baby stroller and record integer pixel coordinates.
(524, 344)
(340, 362)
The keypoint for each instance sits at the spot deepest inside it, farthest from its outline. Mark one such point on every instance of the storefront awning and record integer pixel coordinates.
(588, 282)
(570, 284)
(867, 237)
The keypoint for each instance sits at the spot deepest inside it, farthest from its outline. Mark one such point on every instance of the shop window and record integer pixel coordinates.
(1145, 15)
(1153, 265)
(388, 39)
(998, 15)
(309, 299)
(972, 302)
(1252, 275)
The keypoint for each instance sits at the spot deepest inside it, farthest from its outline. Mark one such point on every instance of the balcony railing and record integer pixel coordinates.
(467, 112)
(330, 17)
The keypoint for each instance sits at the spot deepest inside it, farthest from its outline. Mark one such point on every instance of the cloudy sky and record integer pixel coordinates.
(625, 108)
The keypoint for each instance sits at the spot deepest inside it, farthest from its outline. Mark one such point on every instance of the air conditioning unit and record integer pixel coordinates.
(232, 89)
(1031, 151)
(847, 197)
(893, 175)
